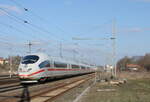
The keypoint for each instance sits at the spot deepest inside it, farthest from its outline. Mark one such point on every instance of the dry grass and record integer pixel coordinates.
(134, 75)
(136, 89)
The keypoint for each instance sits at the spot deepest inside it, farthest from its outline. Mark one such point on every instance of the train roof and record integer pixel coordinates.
(38, 54)
(64, 60)
(59, 59)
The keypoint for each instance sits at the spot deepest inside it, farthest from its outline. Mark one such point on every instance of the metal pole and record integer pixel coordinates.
(114, 47)
(95, 76)
(30, 47)
(60, 53)
(75, 52)
(10, 66)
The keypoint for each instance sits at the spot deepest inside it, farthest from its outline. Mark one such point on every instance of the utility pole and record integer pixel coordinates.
(60, 50)
(10, 63)
(10, 66)
(74, 54)
(30, 44)
(114, 47)
(96, 72)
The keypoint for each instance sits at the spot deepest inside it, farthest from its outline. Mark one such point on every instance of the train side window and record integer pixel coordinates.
(82, 67)
(75, 66)
(44, 64)
(60, 65)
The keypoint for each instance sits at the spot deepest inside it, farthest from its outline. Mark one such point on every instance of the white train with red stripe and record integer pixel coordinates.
(39, 67)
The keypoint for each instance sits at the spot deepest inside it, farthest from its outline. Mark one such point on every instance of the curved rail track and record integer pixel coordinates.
(7, 76)
(40, 92)
(5, 81)
(51, 94)
(10, 88)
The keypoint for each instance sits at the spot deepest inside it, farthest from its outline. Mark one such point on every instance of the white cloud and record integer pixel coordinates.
(9, 8)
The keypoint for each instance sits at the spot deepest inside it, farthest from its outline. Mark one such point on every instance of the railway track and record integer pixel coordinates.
(10, 88)
(41, 92)
(51, 94)
(5, 81)
(7, 76)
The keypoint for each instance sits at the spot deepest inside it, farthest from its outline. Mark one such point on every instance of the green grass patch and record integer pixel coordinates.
(133, 91)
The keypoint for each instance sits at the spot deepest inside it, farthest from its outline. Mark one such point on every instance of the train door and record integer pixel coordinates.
(51, 69)
(68, 69)
(45, 65)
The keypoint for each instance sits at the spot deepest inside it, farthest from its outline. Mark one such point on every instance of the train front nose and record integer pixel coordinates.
(25, 75)
(28, 67)
(24, 72)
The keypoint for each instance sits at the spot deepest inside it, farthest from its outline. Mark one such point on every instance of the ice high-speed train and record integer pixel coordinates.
(39, 67)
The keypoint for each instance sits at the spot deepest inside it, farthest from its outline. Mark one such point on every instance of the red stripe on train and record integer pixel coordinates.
(60, 69)
(51, 70)
(32, 73)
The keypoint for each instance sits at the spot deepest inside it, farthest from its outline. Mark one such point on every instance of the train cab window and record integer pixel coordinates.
(75, 66)
(44, 64)
(30, 59)
(60, 65)
(82, 67)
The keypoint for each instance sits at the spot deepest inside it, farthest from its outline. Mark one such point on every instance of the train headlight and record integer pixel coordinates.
(29, 69)
(20, 69)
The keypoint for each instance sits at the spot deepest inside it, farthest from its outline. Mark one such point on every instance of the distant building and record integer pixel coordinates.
(2, 61)
(108, 68)
(6, 61)
(133, 67)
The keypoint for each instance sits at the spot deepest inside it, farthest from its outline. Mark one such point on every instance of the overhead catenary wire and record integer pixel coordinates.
(13, 28)
(6, 38)
(39, 18)
(26, 24)
(10, 45)
(20, 20)
(16, 29)
(36, 15)
(20, 32)
(25, 9)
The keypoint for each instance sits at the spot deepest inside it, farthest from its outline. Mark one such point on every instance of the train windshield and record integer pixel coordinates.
(30, 59)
